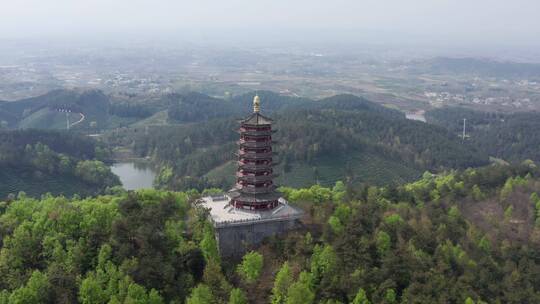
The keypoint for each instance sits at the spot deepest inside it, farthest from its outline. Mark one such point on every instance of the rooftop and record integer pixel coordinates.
(257, 119)
(222, 214)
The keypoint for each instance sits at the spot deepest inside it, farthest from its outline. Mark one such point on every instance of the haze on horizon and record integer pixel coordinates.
(447, 22)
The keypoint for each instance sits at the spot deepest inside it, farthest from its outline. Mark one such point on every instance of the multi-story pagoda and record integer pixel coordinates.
(255, 188)
(253, 209)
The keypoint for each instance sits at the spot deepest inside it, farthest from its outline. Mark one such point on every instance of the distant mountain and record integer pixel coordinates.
(479, 67)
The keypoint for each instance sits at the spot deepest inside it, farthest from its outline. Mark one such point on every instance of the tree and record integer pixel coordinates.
(92, 292)
(383, 242)
(209, 245)
(477, 193)
(154, 297)
(251, 267)
(338, 192)
(281, 284)
(390, 296)
(485, 244)
(35, 291)
(300, 292)
(508, 212)
(213, 277)
(237, 297)
(507, 188)
(361, 297)
(201, 295)
(323, 261)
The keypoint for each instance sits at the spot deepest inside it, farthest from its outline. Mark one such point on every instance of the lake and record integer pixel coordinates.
(134, 175)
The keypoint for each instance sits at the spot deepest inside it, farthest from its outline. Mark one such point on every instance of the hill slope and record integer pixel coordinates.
(48, 111)
(342, 137)
(471, 236)
(512, 137)
(38, 162)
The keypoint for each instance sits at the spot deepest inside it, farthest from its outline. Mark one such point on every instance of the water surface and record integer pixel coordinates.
(134, 175)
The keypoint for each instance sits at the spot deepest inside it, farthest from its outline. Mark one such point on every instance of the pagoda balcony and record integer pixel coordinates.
(252, 155)
(255, 190)
(258, 150)
(255, 167)
(255, 178)
(260, 170)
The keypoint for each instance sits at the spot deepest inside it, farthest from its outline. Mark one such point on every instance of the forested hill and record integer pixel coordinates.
(38, 162)
(512, 137)
(49, 111)
(342, 137)
(466, 237)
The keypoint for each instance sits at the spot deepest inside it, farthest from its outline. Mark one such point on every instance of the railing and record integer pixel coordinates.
(240, 222)
(255, 166)
(255, 190)
(255, 178)
(255, 155)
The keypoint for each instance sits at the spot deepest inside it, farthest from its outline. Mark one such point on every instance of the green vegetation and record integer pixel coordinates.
(512, 137)
(190, 136)
(430, 241)
(126, 248)
(317, 143)
(46, 111)
(251, 267)
(38, 162)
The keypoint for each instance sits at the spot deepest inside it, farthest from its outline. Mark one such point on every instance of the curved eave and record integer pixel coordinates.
(251, 144)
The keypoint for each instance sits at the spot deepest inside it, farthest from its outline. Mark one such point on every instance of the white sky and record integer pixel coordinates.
(460, 20)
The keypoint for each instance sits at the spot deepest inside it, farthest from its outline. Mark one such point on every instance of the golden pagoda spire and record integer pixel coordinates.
(256, 104)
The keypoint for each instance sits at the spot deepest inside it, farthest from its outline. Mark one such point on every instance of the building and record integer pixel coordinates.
(255, 188)
(253, 209)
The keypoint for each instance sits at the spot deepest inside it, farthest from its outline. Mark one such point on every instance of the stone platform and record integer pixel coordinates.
(239, 229)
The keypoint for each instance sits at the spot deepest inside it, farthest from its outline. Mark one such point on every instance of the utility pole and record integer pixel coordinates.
(464, 124)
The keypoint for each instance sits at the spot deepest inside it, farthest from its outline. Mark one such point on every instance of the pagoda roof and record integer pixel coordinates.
(252, 197)
(257, 119)
(255, 144)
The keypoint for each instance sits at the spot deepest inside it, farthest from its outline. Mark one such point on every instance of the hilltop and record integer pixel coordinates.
(467, 236)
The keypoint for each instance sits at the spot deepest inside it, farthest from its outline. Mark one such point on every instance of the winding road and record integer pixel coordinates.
(78, 121)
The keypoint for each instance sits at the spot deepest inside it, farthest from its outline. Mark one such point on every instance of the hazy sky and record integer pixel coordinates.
(491, 21)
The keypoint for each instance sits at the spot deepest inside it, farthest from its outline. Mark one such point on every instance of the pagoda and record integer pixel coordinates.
(255, 188)
(253, 209)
